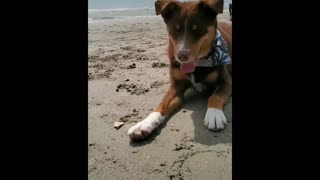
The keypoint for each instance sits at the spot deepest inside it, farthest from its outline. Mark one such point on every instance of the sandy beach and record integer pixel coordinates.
(128, 76)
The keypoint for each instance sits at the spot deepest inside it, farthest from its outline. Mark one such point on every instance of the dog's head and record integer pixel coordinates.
(191, 27)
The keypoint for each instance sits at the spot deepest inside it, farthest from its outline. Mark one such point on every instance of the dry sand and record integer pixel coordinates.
(128, 77)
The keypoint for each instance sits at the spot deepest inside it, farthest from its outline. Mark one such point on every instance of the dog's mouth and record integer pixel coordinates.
(189, 63)
(188, 67)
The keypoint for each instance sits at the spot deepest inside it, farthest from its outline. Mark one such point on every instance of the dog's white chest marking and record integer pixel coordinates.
(198, 86)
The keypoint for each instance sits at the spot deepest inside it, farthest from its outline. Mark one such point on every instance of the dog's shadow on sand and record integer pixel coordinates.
(197, 103)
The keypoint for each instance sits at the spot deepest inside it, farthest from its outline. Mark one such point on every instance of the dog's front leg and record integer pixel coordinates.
(171, 101)
(215, 118)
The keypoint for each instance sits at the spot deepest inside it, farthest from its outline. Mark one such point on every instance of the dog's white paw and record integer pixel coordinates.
(144, 128)
(215, 119)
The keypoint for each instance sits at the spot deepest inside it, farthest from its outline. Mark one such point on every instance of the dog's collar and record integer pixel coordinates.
(218, 54)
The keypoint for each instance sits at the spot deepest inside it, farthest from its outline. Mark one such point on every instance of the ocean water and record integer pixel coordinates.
(115, 9)
(99, 14)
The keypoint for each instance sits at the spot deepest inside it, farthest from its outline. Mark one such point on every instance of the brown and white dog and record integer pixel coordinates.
(192, 28)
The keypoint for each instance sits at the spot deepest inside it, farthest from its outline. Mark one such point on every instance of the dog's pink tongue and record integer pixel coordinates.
(187, 67)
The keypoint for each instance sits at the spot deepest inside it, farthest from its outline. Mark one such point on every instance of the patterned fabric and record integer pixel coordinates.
(218, 54)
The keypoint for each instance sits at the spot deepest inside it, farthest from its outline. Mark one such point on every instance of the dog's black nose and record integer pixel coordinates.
(183, 55)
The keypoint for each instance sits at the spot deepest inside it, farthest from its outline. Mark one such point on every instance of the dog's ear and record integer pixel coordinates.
(165, 8)
(211, 7)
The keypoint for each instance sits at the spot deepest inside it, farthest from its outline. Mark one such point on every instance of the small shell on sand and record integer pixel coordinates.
(117, 125)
